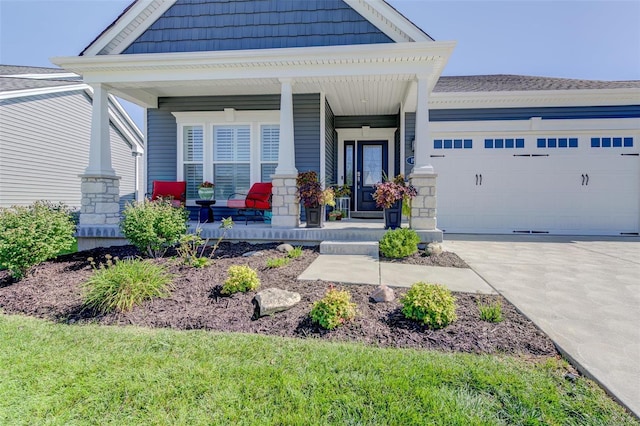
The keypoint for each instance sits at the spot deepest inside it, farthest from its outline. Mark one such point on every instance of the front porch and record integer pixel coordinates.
(352, 230)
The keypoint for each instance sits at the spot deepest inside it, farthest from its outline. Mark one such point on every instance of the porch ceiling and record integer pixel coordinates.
(357, 80)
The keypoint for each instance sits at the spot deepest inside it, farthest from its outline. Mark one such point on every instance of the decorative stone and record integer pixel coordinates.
(434, 249)
(284, 248)
(383, 294)
(274, 300)
(252, 254)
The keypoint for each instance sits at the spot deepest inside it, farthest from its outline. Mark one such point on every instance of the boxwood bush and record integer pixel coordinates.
(241, 279)
(32, 234)
(399, 243)
(431, 304)
(334, 309)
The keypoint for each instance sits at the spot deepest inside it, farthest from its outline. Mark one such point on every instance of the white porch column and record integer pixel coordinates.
(423, 178)
(100, 186)
(285, 205)
(100, 145)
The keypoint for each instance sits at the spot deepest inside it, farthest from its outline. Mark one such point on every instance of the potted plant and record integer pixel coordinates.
(390, 196)
(343, 198)
(313, 197)
(335, 215)
(205, 190)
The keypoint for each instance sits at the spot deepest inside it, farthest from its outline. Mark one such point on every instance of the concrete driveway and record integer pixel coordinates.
(583, 292)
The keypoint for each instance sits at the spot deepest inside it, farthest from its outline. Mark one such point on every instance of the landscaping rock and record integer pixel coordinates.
(274, 300)
(285, 248)
(252, 254)
(383, 293)
(434, 249)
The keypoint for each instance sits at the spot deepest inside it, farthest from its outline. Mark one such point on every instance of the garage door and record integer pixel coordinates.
(586, 186)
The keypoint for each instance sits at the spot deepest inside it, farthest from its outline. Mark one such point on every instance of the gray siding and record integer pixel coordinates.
(373, 121)
(548, 113)
(44, 146)
(306, 121)
(215, 25)
(330, 147)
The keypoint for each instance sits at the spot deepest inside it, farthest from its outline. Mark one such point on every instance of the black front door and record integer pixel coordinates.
(371, 169)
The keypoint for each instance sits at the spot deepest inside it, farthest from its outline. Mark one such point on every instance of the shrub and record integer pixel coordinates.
(241, 279)
(123, 284)
(295, 253)
(30, 235)
(277, 262)
(490, 312)
(334, 309)
(431, 304)
(155, 226)
(398, 243)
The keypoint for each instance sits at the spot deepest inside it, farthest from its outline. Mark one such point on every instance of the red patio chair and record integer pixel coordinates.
(175, 191)
(258, 200)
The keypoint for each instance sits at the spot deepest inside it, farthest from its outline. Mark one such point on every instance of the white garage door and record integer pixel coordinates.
(585, 186)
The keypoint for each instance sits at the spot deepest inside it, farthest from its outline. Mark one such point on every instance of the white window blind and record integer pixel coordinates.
(231, 160)
(269, 141)
(193, 140)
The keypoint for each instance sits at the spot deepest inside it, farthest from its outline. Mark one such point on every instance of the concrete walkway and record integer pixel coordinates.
(356, 269)
(582, 292)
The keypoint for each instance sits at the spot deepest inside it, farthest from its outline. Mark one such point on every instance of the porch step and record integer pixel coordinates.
(366, 248)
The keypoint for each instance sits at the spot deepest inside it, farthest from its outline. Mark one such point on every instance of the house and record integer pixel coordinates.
(238, 92)
(45, 129)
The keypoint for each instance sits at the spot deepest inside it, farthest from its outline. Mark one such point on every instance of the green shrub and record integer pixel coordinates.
(191, 249)
(334, 309)
(30, 235)
(122, 284)
(295, 253)
(431, 304)
(277, 262)
(398, 243)
(490, 312)
(241, 279)
(155, 226)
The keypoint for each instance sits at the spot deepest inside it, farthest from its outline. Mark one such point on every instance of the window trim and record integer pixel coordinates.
(228, 117)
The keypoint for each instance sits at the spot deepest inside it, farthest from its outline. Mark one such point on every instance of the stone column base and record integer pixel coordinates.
(100, 200)
(423, 206)
(284, 203)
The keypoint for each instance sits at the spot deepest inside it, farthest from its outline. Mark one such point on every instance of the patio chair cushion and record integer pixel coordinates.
(174, 190)
(258, 198)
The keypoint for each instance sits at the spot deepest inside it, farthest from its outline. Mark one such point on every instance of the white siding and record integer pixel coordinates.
(44, 146)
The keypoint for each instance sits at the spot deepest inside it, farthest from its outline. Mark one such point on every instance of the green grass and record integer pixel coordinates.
(277, 262)
(57, 374)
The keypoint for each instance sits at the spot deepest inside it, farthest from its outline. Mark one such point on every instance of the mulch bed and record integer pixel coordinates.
(53, 291)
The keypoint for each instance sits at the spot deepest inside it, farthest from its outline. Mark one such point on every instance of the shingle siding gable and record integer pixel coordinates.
(218, 25)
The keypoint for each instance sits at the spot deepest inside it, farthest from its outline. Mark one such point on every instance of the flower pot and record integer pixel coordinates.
(393, 216)
(314, 216)
(205, 193)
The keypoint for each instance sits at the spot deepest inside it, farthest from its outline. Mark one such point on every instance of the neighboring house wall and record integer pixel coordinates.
(214, 25)
(44, 146)
(548, 113)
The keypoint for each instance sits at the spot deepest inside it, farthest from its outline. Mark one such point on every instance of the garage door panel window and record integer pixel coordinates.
(612, 142)
(452, 143)
(557, 143)
(508, 143)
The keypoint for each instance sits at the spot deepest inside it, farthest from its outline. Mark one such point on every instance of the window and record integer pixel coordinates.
(269, 139)
(557, 143)
(503, 143)
(617, 142)
(233, 149)
(231, 160)
(452, 144)
(193, 158)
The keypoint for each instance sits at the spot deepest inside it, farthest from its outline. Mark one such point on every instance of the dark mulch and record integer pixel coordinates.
(446, 259)
(53, 291)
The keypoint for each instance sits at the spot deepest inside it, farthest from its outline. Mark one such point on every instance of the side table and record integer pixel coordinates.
(206, 212)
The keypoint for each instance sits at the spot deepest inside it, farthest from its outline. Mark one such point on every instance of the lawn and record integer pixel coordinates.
(70, 374)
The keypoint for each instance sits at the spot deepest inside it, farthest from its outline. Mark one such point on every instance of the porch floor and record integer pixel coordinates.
(342, 230)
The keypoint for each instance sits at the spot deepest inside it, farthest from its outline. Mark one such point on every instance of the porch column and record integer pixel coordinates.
(423, 177)
(285, 206)
(100, 186)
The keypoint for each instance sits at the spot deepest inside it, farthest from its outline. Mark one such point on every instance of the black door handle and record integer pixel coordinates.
(587, 184)
(476, 180)
(481, 179)
(583, 180)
